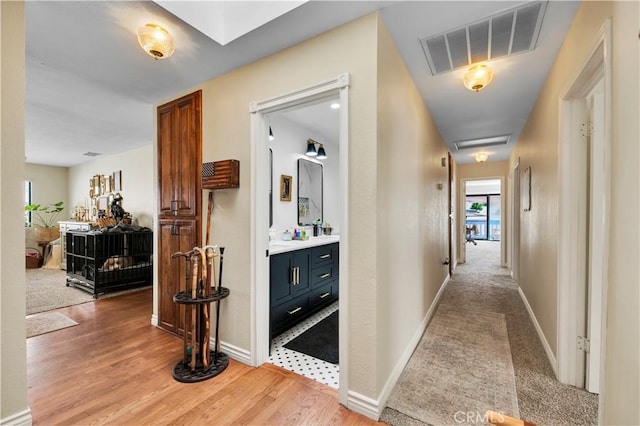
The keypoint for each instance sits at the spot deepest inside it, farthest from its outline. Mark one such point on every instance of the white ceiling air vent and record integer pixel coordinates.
(508, 33)
(482, 142)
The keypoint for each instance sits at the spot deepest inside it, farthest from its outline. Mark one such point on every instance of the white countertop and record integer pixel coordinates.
(277, 246)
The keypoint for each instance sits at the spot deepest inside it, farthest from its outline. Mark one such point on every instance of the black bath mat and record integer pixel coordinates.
(320, 341)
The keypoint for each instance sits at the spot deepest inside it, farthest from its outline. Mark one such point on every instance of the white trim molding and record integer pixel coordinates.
(363, 405)
(332, 88)
(23, 418)
(596, 66)
(234, 352)
(543, 338)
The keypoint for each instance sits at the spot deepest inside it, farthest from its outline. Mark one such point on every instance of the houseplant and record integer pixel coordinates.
(45, 220)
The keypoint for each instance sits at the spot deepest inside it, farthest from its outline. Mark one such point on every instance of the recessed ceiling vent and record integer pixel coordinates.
(91, 154)
(508, 33)
(482, 142)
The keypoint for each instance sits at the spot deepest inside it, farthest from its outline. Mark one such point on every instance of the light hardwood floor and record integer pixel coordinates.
(115, 368)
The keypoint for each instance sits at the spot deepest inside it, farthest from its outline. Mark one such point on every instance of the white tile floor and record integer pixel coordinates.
(313, 368)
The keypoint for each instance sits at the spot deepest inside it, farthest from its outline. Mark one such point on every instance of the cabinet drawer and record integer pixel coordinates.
(323, 295)
(322, 254)
(322, 274)
(288, 313)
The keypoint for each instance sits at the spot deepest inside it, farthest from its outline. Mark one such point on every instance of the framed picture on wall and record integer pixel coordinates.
(526, 189)
(285, 187)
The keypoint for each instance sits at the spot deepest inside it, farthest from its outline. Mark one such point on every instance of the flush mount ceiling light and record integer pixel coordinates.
(156, 41)
(481, 157)
(335, 105)
(477, 77)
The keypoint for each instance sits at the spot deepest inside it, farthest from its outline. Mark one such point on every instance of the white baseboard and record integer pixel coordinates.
(23, 418)
(363, 405)
(373, 408)
(234, 352)
(543, 339)
(411, 346)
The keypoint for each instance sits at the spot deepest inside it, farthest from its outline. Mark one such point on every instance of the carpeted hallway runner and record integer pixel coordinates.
(481, 284)
(462, 365)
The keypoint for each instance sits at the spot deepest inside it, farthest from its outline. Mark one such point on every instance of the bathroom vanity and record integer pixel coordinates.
(303, 279)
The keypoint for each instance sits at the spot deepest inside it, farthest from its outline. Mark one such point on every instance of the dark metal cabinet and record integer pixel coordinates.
(301, 283)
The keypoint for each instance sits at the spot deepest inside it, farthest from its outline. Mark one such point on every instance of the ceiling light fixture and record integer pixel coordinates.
(156, 41)
(271, 137)
(477, 77)
(335, 105)
(481, 157)
(320, 154)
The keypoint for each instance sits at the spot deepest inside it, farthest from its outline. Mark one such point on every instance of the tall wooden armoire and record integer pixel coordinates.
(179, 195)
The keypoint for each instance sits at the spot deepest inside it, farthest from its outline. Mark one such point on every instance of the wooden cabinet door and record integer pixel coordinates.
(180, 156)
(175, 235)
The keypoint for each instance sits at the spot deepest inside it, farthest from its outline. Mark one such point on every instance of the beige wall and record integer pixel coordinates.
(138, 185)
(538, 148)
(491, 169)
(411, 214)
(622, 372)
(13, 363)
(48, 186)
(227, 134)
(388, 244)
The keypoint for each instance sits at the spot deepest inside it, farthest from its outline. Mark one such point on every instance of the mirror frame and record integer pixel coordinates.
(321, 190)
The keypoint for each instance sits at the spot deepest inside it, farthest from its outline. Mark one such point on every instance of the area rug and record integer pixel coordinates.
(46, 290)
(47, 322)
(461, 368)
(320, 341)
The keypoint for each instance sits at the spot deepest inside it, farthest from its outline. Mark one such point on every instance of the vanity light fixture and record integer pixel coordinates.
(271, 137)
(311, 148)
(156, 41)
(320, 154)
(477, 77)
(481, 157)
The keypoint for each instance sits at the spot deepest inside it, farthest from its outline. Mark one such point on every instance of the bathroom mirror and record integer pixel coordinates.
(310, 192)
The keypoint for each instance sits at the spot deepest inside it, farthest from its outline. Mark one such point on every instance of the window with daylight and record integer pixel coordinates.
(27, 201)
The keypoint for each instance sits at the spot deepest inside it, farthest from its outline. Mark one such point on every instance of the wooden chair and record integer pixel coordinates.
(504, 420)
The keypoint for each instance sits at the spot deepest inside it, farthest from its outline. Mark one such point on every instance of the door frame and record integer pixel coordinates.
(514, 235)
(462, 199)
(335, 87)
(596, 66)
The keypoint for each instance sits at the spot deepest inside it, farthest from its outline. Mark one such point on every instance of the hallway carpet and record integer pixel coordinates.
(482, 284)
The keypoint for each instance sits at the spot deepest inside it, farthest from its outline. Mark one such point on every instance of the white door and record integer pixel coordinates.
(597, 234)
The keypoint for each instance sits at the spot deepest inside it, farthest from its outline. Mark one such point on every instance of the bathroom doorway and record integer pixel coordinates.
(261, 113)
(304, 148)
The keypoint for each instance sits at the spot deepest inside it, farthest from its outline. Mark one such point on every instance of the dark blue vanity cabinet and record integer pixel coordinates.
(301, 283)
